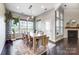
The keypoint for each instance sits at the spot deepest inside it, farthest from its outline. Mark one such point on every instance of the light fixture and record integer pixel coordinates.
(42, 7)
(30, 7)
(17, 7)
(65, 5)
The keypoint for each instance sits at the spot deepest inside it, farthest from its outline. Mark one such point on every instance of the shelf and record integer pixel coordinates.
(71, 27)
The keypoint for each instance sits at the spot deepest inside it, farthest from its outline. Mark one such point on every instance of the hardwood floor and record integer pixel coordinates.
(65, 48)
(60, 48)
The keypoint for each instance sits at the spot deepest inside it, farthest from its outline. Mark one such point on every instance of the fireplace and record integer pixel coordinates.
(72, 36)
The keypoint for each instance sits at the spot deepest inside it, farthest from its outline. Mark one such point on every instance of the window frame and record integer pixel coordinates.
(61, 27)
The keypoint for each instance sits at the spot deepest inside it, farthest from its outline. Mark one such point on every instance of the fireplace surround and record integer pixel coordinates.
(72, 36)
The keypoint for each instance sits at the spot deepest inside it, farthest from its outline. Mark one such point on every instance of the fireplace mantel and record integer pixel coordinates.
(71, 27)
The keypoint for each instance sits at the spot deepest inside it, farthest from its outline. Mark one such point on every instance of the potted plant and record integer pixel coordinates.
(16, 20)
(8, 16)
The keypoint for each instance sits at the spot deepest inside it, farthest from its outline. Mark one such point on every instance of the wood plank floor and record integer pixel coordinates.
(60, 48)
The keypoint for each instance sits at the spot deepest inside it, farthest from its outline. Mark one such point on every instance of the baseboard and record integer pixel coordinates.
(56, 41)
(51, 41)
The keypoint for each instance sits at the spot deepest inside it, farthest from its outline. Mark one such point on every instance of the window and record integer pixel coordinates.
(57, 26)
(30, 26)
(22, 26)
(59, 23)
(61, 27)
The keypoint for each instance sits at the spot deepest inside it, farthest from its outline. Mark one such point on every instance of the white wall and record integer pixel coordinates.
(2, 27)
(50, 18)
(70, 14)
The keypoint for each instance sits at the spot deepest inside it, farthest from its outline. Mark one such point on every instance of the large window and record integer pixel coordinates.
(30, 27)
(59, 23)
(22, 26)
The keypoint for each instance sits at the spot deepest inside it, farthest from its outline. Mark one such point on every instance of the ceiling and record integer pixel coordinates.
(33, 9)
(71, 6)
(71, 11)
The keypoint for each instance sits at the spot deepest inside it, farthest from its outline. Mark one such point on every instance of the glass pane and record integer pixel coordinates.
(57, 23)
(57, 14)
(23, 24)
(61, 16)
(61, 30)
(30, 26)
(61, 27)
(61, 23)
